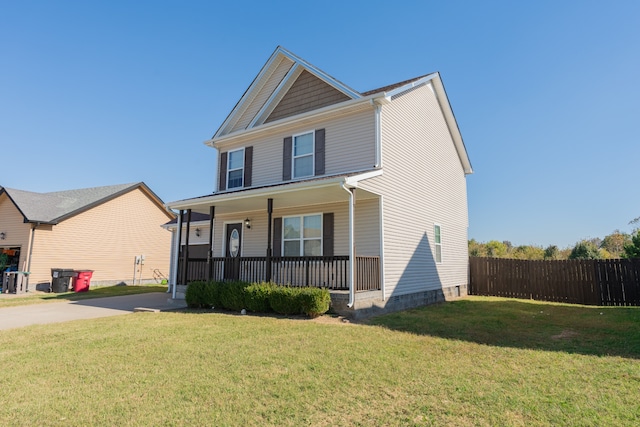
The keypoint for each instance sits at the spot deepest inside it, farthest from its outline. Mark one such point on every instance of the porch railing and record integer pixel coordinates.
(330, 272)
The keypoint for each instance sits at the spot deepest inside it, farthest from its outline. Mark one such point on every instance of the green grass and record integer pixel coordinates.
(12, 300)
(473, 362)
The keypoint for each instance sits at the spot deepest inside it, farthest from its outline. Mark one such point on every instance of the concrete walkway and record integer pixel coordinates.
(55, 312)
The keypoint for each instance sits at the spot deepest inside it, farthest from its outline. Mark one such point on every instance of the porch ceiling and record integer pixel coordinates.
(284, 196)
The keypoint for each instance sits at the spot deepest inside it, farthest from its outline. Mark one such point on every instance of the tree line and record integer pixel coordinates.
(615, 245)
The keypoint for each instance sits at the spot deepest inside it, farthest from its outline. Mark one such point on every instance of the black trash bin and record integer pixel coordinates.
(60, 278)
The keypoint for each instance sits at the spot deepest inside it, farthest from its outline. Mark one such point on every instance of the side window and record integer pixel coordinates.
(303, 155)
(438, 240)
(235, 168)
(302, 235)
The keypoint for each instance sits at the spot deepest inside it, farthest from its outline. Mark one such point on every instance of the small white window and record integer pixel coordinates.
(235, 168)
(303, 155)
(302, 235)
(438, 239)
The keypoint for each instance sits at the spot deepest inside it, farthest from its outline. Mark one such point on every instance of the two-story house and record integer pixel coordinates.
(318, 184)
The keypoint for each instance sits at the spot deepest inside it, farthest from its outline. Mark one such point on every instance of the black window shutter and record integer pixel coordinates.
(327, 234)
(222, 181)
(277, 236)
(319, 166)
(286, 159)
(248, 165)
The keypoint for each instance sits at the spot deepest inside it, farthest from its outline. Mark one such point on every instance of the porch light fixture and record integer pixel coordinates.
(197, 232)
(247, 223)
(3, 235)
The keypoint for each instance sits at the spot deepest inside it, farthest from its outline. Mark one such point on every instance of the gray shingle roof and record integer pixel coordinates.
(56, 206)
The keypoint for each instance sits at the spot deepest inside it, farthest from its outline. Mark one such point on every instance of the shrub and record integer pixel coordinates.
(211, 294)
(194, 296)
(232, 294)
(256, 297)
(285, 300)
(314, 301)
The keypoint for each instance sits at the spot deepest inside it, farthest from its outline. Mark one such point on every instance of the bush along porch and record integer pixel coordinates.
(258, 297)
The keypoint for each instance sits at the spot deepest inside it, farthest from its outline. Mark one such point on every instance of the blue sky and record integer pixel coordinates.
(546, 94)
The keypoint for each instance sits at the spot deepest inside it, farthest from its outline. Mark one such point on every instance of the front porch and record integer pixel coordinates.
(331, 272)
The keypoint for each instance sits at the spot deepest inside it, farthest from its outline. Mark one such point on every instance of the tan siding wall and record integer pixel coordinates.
(423, 183)
(106, 239)
(17, 232)
(349, 146)
(255, 240)
(263, 94)
(306, 94)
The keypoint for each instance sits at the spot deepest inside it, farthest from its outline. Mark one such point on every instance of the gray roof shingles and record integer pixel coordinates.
(52, 207)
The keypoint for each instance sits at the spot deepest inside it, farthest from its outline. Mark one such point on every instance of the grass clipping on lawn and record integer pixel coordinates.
(478, 361)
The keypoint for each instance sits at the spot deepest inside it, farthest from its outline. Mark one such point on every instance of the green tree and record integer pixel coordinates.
(632, 249)
(496, 249)
(528, 252)
(585, 249)
(614, 243)
(551, 252)
(477, 249)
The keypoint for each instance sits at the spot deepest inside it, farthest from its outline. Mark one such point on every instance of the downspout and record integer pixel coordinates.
(378, 146)
(31, 239)
(352, 261)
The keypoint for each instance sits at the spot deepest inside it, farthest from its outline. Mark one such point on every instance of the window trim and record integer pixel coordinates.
(437, 234)
(312, 154)
(302, 239)
(229, 170)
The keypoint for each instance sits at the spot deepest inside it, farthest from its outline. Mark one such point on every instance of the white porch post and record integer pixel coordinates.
(176, 251)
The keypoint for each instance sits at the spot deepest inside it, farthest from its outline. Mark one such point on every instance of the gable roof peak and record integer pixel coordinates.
(272, 83)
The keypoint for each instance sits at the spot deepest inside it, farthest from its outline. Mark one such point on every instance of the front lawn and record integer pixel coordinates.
(450, 364)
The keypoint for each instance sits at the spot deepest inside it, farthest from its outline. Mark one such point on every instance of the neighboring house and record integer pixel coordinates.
(360, 192)
(101, 229)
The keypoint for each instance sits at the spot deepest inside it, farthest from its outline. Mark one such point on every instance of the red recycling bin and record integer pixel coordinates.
(82, 280)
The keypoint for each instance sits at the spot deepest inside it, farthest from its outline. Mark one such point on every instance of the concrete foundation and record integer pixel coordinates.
(368, 304)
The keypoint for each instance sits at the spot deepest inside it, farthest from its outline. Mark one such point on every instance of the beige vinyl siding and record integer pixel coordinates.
(17, 232)
(254, 240)
(306, 94)
(106, 239)
(423, 184)
(367, 227)
(349, 146)
(262, 95)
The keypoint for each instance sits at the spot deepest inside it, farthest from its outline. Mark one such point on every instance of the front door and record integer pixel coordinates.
(233, 251)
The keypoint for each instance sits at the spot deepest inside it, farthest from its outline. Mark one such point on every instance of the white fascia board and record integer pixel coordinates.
(411, 85)
(352, 181)
(452, 123)
(293, 119)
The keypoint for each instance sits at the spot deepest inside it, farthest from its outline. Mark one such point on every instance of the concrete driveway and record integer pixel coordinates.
(55, 312)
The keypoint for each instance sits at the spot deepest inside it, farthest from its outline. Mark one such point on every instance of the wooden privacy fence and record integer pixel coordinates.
(590, 282)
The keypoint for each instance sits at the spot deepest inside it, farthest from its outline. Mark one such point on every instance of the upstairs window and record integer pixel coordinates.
(303, 155)
(438, 240)
(235, 169)
(302, 235)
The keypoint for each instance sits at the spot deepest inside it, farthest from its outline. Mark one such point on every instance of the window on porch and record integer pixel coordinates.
(302, 235)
